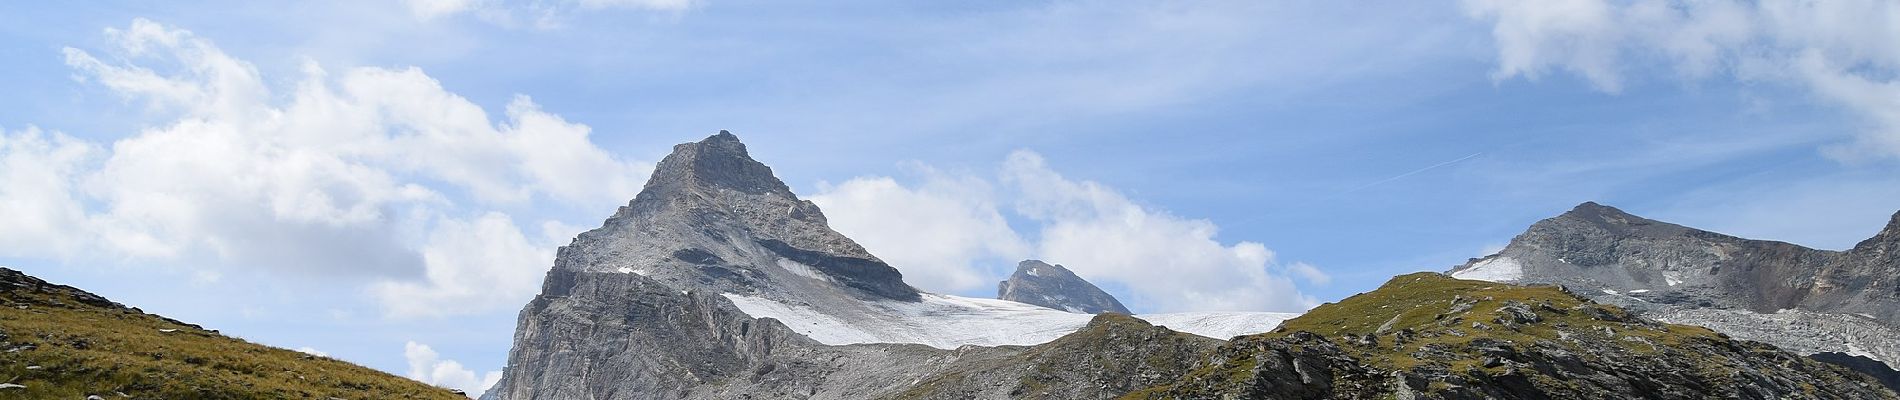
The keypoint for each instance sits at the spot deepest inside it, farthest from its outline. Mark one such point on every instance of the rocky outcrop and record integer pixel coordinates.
(1863, 280)
(1425, 336)
(1879, 371)
(1039, 283)
(1114, 354)
(1802, 299)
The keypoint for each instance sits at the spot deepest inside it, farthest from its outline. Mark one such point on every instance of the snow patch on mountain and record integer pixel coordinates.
(801, 269)
(1497, 269)
(940, 321)
(1219, 325)
(948, 322)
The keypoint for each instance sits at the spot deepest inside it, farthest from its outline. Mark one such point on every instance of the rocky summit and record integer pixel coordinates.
(633, 309)
(717, 282)
(1806, 300)
(1039, 283)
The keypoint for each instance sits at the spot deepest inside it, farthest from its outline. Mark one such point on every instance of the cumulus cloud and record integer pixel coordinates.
(1842, 51)
(370, 173)
(428, 367)
(945, 235)
(954, 229)
(1169, 263)
(1309, 273)
(471, 267)
(38, 209)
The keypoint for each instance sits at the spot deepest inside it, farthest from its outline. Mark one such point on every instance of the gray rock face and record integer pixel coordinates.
(642, 308)
(711, 217)
(634, 309)
(1039, 283)
(1803, 299)
(1886, 375)
(1113, 355)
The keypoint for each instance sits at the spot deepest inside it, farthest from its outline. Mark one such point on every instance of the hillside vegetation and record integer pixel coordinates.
(1426, 335)
(62, 343)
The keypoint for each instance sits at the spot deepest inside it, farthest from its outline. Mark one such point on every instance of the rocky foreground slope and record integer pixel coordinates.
(64, 343)
(1805, 300)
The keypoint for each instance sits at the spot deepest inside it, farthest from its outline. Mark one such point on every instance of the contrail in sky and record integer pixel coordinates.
(1402, 176)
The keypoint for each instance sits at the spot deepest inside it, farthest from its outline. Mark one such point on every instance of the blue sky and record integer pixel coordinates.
(370, 178)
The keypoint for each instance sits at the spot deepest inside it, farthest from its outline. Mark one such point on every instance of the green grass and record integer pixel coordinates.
(1424, 303)
(1431, 309)
(78, 350)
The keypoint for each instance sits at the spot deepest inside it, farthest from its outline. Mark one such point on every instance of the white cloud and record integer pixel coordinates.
(428, 367)
(365, 174)
(941, 232)
(470, 267)
(38, 211)
(1533, 36)
(1842, 51)
(945, 235)
(1168, 263)
(1309, 273)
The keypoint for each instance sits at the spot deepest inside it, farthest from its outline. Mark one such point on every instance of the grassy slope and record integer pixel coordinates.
(60, 347)
(1420, 302)
(1429, 309)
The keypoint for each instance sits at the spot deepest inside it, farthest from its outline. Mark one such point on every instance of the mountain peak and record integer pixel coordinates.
(1885, 242)
(712, 217)
(1043, 284)
(1611, 220)
(719, 161)
(1595, 211)
(1893, 228)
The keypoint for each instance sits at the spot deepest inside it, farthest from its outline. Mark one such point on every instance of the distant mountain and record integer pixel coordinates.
(1427, 336)
(1039, 283)
(1806, 300)
(59, 342)
(717, 281)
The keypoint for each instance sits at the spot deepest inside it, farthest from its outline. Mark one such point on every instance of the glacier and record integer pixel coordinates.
(949, 322)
